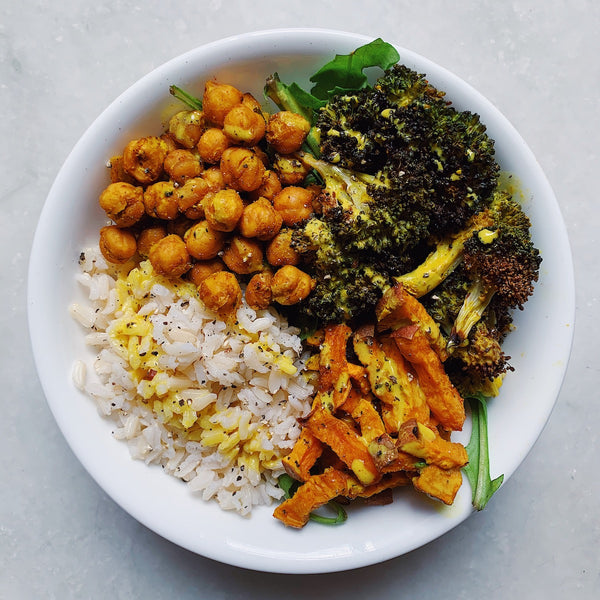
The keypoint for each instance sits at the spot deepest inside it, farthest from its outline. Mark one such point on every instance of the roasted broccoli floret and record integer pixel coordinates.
(354, 245)
(439, 161)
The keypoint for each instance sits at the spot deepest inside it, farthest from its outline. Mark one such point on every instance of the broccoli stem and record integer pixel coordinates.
(478, 468)
(473, 307)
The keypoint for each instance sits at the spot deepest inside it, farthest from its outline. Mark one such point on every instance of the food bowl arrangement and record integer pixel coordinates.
(257, 541)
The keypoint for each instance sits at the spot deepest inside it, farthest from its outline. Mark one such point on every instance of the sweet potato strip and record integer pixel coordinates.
(426, 443)
(442, 484)
(390, 382)
(397, 308)
(304, 454)
(333, 356)
(345, 442)
(442, 397)
(317, 491)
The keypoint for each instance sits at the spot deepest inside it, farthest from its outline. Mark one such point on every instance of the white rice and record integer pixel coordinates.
(238, 378)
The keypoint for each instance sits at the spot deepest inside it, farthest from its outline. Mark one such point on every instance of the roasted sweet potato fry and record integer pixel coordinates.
(304, 454)
(442, 484)
(397, 308)
(421, 441)
(318, 490)
(345, 442)
(391, 382)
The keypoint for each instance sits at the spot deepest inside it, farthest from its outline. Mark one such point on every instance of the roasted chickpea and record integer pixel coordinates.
(212, 144)
(214, 178)
(242, 169)
(294, 204)
(182, 165)
(280, 252)
(117, 245)
(144, 158)
(269, 187)
(148, 237)
(161, 200)
(252, 103)
(218, 100)
(190, 196)
(290, 170)
(203, 242)
(243, 255)
(221, 292)
(260, 220)
(201, 270)
(286, 131)
(223, 209)
(244, 126)
(123, 203)
(258, 290)
(170, 257)
(170, 141)
(186, 127)
(117, 171)
(290, 285)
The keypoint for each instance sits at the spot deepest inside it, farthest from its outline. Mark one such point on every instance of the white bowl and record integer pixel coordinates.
(70, 220)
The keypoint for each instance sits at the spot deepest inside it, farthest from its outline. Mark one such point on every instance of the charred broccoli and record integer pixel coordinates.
(439, 161)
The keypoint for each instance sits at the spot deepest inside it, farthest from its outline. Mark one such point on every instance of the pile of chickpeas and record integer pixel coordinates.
(214, 200)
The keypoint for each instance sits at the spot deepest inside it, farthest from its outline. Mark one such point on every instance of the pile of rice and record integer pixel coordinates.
(215, 404)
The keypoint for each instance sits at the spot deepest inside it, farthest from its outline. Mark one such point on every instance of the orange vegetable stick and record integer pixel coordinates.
(442, 397)
(304, 454)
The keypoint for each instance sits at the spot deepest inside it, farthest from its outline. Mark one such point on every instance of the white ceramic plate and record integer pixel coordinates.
(71, 218)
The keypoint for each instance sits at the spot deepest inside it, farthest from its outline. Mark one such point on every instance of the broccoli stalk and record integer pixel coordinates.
(478, 468)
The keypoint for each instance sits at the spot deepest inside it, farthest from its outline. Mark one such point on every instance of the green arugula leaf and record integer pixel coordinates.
(478, 468)
(346, 71)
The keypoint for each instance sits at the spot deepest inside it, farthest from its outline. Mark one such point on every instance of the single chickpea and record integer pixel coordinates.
(117, 171)
(186, 127)
(182, 165)
(252, 103)
(243, 255)
(117, 245)
(201, 270)
(123, 203)
(218, 100)
(244, 126)
(269, 187)
(170, 142)
(294, 204)
(280, 251)
(170, 257)
(242, 169)
(258, 291)
(221, 292)
(203, 242)
(190, 196)
(223, 209)
(260, 220)
(213, 142)
(144, 158)
(148, 237)
(214, 178)
(290, 285)
(160, 200)
(290, 170)
(286, 131)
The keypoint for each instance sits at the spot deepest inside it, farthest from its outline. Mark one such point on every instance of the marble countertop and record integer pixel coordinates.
(62, 63)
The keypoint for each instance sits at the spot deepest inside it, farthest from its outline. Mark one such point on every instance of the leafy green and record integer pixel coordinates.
(193, 102)
(478, 468)
(289, 487)
(346, 71)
